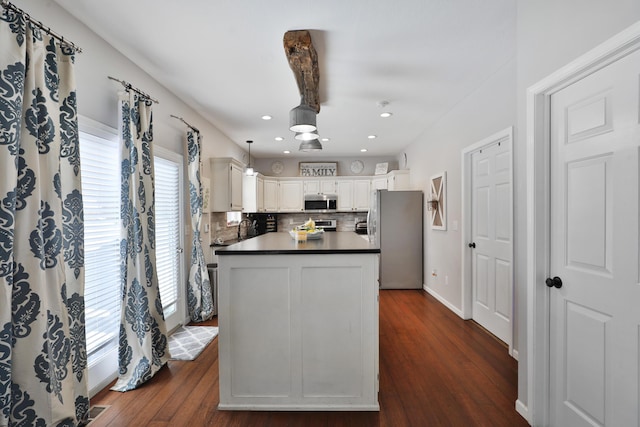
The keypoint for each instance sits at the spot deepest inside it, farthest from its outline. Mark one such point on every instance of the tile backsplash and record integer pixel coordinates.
(346, 221)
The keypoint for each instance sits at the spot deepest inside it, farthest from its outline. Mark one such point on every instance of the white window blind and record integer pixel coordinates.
(100, 166)
(167, 192)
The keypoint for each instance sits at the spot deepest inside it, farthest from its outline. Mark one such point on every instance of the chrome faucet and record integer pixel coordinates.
(246, 228)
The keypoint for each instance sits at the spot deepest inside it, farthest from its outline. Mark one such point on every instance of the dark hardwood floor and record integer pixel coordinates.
(435, 370)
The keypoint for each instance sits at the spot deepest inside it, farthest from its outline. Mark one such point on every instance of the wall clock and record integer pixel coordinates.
(277, 167)
(357, 166)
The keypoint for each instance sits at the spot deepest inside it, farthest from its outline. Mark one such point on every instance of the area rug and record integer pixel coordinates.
(188, 342)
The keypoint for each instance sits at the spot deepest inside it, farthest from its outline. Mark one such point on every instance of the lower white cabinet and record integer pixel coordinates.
(298, 332)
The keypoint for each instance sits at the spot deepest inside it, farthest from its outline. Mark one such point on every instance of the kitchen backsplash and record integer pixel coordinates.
(346, 221)
(286, 221)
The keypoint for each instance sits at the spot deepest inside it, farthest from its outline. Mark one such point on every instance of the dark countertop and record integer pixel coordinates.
(332, 242)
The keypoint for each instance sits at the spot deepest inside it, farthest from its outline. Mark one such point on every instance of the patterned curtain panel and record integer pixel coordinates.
(43, 362)
(143, 348)
(199, 296)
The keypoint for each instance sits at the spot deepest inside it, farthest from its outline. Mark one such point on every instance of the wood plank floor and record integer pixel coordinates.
(435, 370)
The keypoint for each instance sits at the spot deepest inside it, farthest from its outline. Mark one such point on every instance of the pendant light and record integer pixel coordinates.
(302, 119)
(313, 145)
(249, 170)
(307, 136)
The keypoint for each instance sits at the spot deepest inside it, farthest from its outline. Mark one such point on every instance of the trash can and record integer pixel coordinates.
(212, 268)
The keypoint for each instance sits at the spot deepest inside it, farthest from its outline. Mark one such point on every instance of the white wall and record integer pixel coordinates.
(489, 109)
(550, 34)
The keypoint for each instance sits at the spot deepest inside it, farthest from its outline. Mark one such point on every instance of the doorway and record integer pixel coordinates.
(488, 234)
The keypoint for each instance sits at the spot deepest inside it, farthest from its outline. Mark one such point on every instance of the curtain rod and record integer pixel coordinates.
(10, 6)
(135, 89)
(183, 121)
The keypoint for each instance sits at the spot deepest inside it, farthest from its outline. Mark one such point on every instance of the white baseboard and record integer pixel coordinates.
(446, 303)
(522, 409)
(514, 354)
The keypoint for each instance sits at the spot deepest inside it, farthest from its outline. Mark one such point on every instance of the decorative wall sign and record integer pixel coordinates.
(317, 169)
(438, 201)
(382, 168)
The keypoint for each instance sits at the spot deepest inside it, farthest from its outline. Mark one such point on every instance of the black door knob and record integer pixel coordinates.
(555, 282)
(472, 245)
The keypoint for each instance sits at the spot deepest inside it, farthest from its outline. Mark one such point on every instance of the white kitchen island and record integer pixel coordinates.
(298, 324)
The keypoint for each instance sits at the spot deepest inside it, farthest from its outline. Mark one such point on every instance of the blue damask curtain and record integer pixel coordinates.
(199, 297)
(143, 347)
(43, 362)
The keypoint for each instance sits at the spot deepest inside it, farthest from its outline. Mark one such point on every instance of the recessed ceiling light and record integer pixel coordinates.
(386, 114)
(372, 137)
(279, 138)
(286, 152)
(325, 140)
(266, 117)
(363, 150)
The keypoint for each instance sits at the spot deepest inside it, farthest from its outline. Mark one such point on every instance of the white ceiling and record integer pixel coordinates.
(225, 58)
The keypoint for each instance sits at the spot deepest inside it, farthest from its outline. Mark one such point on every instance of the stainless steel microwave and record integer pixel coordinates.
(320, 202)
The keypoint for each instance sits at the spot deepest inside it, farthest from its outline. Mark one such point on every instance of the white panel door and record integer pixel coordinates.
(492, 245)
(595, 313)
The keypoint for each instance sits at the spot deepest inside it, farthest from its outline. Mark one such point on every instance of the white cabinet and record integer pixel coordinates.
(298, 331)
(379, 183)
(345, 195)
(361, 194)
(253, 193)
(393, 181)
(398, 180)
(270, 187)
(226, 185)
(353, 195)
(291, 197)
(319, 186)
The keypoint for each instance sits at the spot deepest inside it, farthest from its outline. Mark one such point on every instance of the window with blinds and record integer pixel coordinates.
(167, 185)
(100, 166)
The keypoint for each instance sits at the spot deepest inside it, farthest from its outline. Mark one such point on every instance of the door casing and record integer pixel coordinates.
(536, 409)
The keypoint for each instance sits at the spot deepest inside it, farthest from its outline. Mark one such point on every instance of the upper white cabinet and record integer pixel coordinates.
(361, 194)
(253, 193)
(226, 185)
(270, 194)
(379, 182)
(353, 194)
(398, 180)
(345, 194)
(320, 186)
(291, 197)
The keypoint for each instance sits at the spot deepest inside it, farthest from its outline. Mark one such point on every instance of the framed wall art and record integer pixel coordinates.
(318, 169)
(437, 201)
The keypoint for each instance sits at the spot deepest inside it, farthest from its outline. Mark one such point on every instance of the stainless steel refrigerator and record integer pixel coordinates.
(395, 224)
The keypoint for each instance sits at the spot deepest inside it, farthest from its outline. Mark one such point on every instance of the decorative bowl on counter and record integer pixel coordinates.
(302, 235)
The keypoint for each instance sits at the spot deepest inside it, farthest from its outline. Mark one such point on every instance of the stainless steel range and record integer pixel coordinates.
(326, 224)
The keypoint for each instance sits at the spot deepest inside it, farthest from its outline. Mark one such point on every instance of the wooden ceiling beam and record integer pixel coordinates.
(303, 61)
